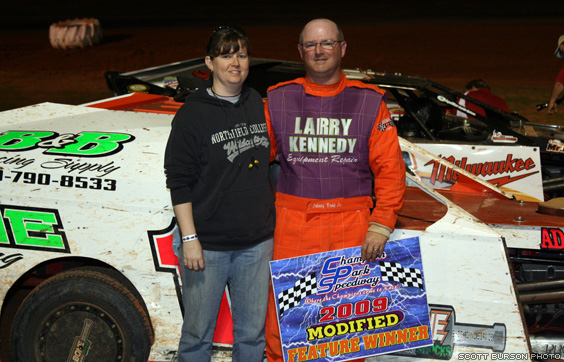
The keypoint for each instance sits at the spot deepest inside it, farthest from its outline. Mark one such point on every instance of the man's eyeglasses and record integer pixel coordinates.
(325, 44)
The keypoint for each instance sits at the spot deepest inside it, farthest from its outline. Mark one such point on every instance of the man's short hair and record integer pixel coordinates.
(477, 83)
(340, 35)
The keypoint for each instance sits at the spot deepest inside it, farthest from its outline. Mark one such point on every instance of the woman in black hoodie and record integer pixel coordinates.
(216, 163)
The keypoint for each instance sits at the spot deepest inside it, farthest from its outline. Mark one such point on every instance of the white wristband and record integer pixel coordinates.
(189, 238)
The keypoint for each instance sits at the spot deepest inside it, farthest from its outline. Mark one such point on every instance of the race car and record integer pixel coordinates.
(87, 229)
(425, 113)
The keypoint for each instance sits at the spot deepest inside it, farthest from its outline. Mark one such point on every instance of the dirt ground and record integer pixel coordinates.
(514, 56)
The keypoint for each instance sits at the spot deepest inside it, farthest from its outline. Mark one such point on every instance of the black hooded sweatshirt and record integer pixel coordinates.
(217, 158)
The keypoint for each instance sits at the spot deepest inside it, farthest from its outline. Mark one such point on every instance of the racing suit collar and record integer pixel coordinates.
(320, 90)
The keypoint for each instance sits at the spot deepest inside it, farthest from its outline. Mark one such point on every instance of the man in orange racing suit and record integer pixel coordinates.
(337, 146)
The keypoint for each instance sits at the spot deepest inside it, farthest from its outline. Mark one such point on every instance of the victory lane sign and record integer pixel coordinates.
(334, 306)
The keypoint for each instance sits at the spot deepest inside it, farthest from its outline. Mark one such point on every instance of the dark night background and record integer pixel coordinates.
(115, 13)
(508, 43)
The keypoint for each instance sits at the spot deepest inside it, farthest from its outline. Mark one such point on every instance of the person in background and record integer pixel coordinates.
(558, 88)
(216, 163)
(481, 91)
(337, 148)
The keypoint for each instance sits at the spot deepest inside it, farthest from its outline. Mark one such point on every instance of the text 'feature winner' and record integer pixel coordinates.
(334, 306)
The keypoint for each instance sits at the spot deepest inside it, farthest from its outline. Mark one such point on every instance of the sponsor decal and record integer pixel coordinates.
(555, 146)
(384, 125)
(498, 137)
(84, 144)
(510, 165)
(81, 344)
(552, 238)
(137, 88)
(171, 82)
(45, 179)
(318, 135)
(332, 159)
(32, 228)
(396, 112)
(67, 148)
(447, 333)
(7, 260)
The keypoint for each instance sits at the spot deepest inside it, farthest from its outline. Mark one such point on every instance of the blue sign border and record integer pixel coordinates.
(335, 307)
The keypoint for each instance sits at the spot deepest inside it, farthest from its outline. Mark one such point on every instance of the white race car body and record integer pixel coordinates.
(84, 186)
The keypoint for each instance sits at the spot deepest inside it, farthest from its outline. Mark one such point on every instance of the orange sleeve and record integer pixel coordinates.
(386, 163)
(273, 144)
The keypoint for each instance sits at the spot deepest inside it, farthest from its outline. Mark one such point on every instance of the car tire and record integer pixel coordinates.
(81, 315)
(77, 33)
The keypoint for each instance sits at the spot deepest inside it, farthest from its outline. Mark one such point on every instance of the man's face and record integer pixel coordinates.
(323, 66)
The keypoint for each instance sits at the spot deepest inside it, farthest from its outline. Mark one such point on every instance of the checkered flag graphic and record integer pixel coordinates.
(413, 278)
(408, 277)
(301, 289)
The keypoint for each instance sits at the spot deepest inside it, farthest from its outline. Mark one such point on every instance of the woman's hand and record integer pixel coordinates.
(193, 255)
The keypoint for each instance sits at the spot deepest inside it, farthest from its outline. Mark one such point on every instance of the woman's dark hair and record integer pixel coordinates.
(226, 39)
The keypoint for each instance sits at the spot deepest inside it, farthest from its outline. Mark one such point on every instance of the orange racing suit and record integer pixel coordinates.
(337, 147)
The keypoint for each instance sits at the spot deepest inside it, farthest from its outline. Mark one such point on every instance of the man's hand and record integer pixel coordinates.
(193, 255)
(552, 108)
(557, 92)
(373, 246)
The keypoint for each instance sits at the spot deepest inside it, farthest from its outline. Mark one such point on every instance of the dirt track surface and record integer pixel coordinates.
(514, 56)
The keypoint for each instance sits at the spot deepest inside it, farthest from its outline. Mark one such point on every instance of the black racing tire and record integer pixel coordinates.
(82, 316)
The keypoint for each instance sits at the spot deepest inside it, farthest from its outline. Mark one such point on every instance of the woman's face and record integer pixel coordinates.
(229, 71)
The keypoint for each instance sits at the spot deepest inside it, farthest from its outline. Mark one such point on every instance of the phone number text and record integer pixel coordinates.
(79, 182)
